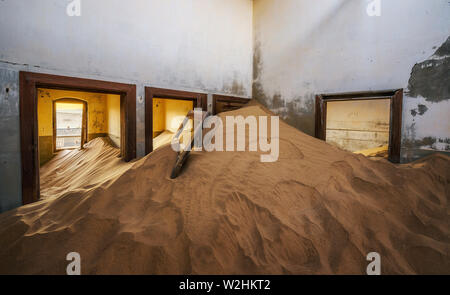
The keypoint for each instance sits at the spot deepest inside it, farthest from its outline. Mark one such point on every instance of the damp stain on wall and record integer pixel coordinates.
(297, 111)
(257, 88)
(301, 115)
(420, 110)
(424, 142)
(235, 88)
(428, 143)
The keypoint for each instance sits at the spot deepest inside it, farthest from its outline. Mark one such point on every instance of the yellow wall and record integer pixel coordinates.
(113, 113)
(97, 116)
(159, 116)
(168, 114)
(69, 106)
(358, 125)
(45, 114)
(176, 110)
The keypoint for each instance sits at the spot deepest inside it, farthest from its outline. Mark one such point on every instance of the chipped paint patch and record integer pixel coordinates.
(420, 110)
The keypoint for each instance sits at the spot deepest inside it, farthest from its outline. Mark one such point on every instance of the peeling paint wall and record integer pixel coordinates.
(428, 127)
(303, 48)
(194, 45)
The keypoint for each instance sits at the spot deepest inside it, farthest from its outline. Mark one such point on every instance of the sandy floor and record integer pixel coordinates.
(316, 210)
(163, 139)
(99, 163)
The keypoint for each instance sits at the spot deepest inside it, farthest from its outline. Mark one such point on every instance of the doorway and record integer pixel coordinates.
(69, 123)
(367, 123)
(224, 103)
(30, 132)
(163, 110)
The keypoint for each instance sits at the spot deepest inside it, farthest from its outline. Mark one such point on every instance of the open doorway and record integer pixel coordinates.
(69, 119)
(367, 123)
(168, 115)
(165, 110)
(50, 120)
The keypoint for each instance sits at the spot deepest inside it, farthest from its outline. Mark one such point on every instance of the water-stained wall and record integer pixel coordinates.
(10, 173)
(194, 45)
(303, 48)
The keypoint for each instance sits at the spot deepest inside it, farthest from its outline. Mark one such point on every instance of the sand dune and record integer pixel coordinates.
(317, 210)
(164, 138)
(70, 170)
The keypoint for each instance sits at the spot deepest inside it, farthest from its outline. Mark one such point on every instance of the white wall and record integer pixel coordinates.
(304, 47)
(201, 44)
(194, 45)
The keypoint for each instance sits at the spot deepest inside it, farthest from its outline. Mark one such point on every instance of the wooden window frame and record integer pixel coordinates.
(84, 127)
(395, 122)
(29, 83)
(229, 99)
(151, 93)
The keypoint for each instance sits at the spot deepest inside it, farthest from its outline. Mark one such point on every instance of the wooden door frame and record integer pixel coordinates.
(395, 122)
(84, 125)
(151, 93)
(29, 137)
(227, 98)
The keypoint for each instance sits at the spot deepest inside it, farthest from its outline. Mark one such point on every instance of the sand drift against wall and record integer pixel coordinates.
(318, 209)
(97, 165)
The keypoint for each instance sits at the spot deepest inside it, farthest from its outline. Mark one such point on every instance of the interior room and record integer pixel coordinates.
(360, 126)
(168, 115)
(70, 119)
(324, 138)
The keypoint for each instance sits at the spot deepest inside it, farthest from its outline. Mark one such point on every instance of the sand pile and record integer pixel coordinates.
(316, 210)
(70, 170)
